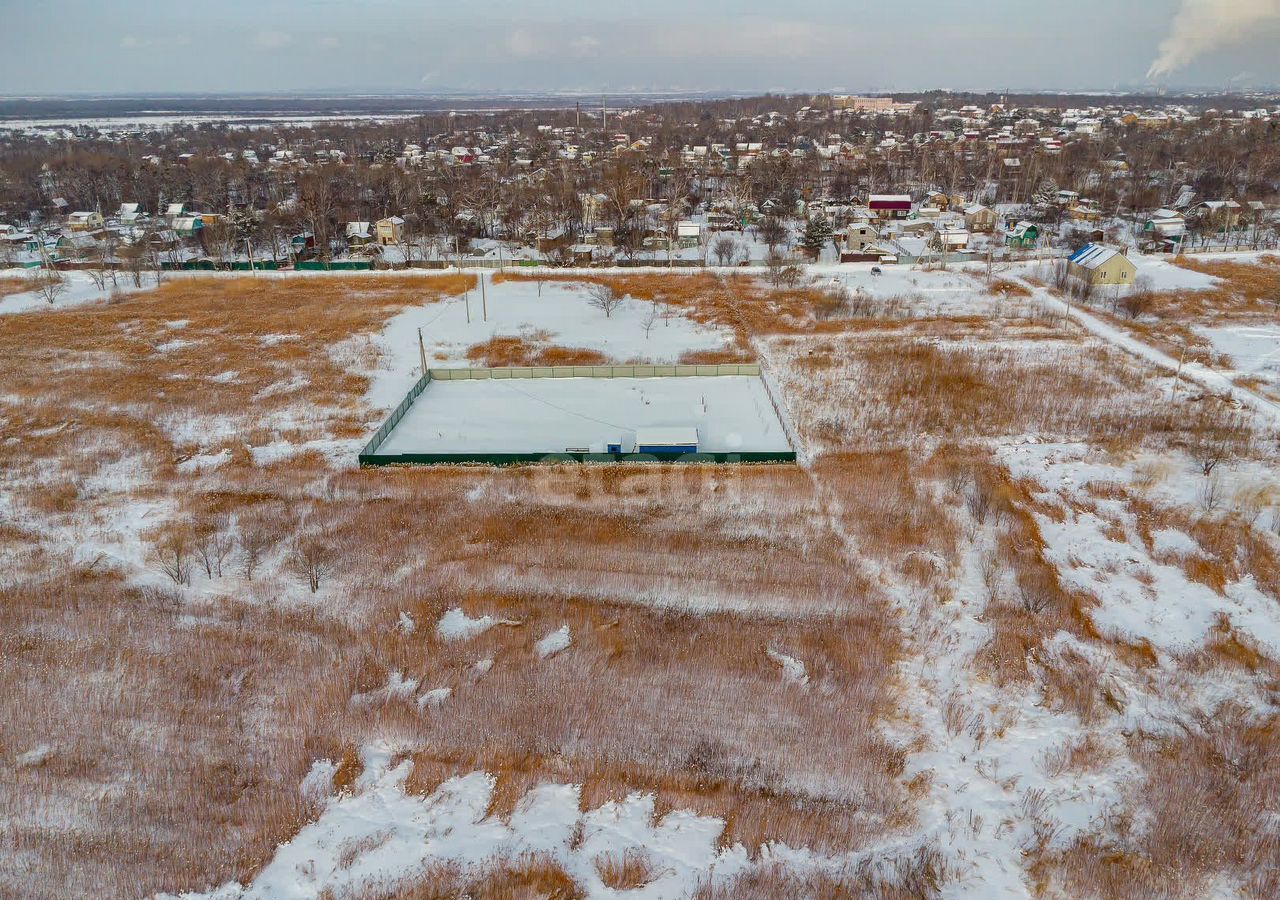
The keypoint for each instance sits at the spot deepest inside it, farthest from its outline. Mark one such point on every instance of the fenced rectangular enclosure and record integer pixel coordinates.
(707, 413)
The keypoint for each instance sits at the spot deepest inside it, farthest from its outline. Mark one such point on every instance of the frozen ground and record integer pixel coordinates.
(550, 415)
(80, 291)
(1252, 350)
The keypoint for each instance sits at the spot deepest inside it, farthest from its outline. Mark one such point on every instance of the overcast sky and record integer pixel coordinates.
(118, 46)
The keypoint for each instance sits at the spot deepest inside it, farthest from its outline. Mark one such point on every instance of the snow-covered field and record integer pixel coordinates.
(732, 414)
(1252, 351)
(79, 291)
(999, 634)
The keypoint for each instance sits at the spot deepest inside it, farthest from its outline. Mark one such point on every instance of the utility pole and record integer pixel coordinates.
(484, 302)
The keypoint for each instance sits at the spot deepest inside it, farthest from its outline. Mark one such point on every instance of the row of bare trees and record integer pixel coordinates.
(182, 549)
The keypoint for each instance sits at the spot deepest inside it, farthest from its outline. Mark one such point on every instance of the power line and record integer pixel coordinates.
(562, 409)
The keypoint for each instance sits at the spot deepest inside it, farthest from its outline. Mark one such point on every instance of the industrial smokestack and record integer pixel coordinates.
(1203, 26)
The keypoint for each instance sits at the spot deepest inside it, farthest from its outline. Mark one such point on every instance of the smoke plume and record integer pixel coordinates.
(1203, 26)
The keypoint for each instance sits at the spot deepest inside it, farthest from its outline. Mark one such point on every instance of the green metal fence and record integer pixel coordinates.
(373, 460)
(370, 449)
(337, 265)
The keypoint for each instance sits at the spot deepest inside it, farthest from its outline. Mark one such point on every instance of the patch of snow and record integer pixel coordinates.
(397, 688)
(1253, 351)
(271, 340)
(434, 698)
(1174, 541)
(204, 462)
(455, 625)
(317, 785)
(289, 386)
(793, 670)
(561, 316)
(81, 291)
(276, 451)
(381, 834)
(36, 756)
(553, 643)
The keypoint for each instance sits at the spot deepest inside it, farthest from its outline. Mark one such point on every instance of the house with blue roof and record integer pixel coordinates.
(1100, 266)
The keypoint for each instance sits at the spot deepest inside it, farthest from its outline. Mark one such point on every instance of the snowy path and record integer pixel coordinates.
(1210, 379)
(980, 746)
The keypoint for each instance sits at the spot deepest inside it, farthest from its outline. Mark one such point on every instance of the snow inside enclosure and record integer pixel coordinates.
(733, 414)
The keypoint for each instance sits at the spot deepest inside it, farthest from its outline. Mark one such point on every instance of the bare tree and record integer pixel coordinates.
(212, 547)
(604, 298)
(172, 554)
(725, 250)
(98, 271)
(777, 265)
(650, 319)
(773, 231)
(312, 559)
(49, 284)
(1217, 433)
(256, 541)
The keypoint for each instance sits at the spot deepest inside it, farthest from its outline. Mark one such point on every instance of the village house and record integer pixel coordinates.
(858, 237)
(187, 226)
(1100, 266)
(359, 234)
(85, 221)
(389, 230)
(889, 206)
(980, 219)
(1022, 236)
(1219, 215)
(553, 241)
(917, 227)
(1085, 211)
(1165, 225)
(688, 234)
(949, 240)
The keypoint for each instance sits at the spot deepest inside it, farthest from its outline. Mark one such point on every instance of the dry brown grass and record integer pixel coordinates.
(212, 703)
(531, 878)
(515, 351)
(13, 285)
(910, 877)
(631, 870)
(185, 720)
(1003, 287)
(875, 391)
(114, 374)
(1207, 797)
(1248, 295)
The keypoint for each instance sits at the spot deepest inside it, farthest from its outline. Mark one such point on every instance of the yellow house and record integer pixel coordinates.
(84, 221)
(1101, 266)
(389, 230)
